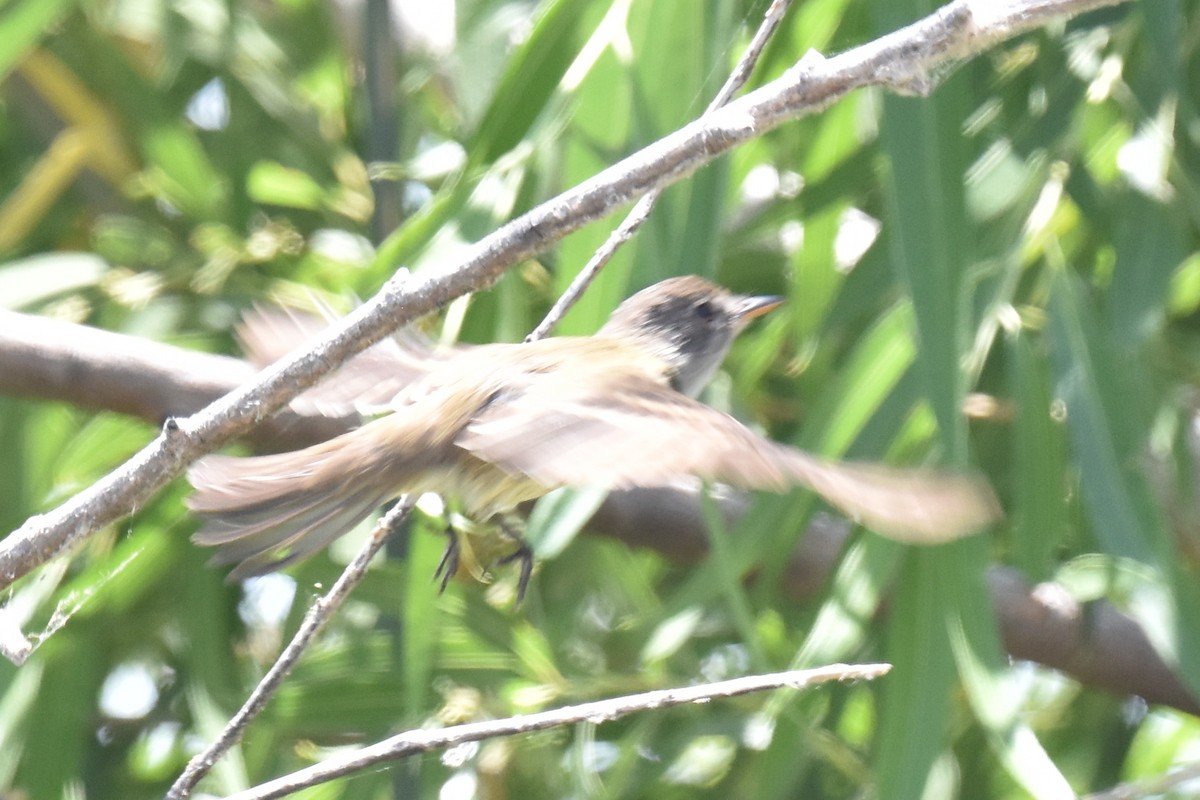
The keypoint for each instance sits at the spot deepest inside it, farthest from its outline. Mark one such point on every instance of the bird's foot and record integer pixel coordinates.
(448, 566)
(524, 554)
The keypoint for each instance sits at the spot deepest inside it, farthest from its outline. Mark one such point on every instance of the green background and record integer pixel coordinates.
(1037, 223)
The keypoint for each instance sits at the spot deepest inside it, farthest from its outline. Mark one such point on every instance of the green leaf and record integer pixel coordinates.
(1148, 253)
(558, 518)
(928, 232)
(182, 172)
(995, 694)
(530, 80)
(32, 281)
(23, 23)
(271, 183)
(1104, 415)
(1039, 464)
(915, 708)
(421, 614)
(868, 376)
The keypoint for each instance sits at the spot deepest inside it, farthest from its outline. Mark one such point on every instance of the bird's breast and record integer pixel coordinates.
(483, 488)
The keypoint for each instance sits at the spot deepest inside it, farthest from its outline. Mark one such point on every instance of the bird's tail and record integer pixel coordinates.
(267, 512)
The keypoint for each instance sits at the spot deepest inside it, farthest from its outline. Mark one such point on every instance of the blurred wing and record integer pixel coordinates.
(636, 433)
(623, 434)
(366, 383)
(267, 334)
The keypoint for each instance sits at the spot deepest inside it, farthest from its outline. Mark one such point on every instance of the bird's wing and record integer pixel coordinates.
(636, 433)
(366, 383)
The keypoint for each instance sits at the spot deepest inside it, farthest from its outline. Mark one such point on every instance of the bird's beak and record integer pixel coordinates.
(750, 307)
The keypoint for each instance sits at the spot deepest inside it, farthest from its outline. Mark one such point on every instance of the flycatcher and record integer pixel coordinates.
(499, 424)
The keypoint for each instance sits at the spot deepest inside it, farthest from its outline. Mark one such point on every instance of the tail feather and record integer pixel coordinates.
(295, 539)
(284, 531)
(225, 484)
(229, 524)
(266, 518)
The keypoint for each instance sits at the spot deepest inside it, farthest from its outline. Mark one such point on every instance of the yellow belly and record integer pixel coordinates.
(483, 489)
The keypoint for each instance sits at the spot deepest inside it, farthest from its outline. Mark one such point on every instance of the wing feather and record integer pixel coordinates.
(365, 384)
(636, 433)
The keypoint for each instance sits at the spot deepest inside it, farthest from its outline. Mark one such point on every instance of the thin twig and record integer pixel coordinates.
(641, 211)
(425, 740)
(314, 621)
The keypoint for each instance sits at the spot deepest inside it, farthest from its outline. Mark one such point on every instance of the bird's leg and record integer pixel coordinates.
(448, 566)
(523, 553)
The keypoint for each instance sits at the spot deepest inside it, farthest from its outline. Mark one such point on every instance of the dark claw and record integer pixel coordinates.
(525, 554)
(448, 566)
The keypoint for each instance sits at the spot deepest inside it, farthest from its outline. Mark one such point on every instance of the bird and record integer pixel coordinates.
(499, 424)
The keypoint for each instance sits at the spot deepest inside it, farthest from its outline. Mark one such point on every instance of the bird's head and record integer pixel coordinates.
(689, 323)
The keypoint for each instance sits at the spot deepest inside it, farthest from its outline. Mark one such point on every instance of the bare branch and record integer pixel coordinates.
(426, 740)
(105, 371)
(1097, 644)
(900, 61)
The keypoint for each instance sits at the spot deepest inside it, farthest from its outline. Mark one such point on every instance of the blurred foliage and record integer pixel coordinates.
(1022, 242)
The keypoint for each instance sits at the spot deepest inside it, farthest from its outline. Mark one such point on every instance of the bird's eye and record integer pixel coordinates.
(705, 310)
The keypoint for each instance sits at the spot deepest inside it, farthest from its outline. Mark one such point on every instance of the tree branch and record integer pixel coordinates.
(902, 61)
(425, 740)
(104, 371)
